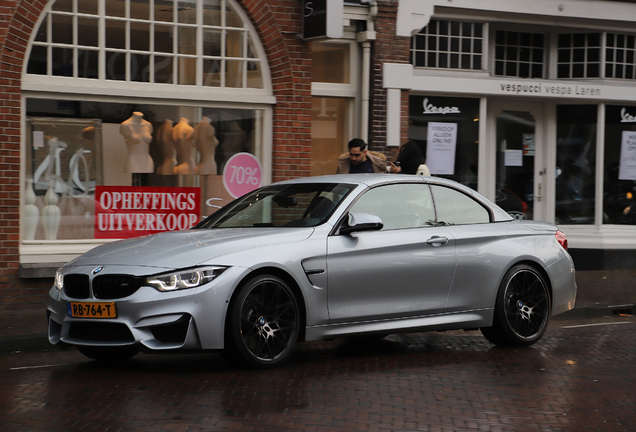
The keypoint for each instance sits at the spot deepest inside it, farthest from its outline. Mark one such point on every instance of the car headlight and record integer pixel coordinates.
(58, 282)
(184, 279)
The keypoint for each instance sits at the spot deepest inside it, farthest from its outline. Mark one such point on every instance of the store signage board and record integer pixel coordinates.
(441, 147)
(323, 19)
(133, 211)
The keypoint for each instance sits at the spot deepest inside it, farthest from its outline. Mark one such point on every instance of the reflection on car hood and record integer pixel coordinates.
(187, 248)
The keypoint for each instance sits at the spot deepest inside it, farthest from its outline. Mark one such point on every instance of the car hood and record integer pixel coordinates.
(178, 249)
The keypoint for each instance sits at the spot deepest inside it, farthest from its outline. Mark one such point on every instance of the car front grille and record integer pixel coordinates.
(100, 332)
(76, 286)
(109, 287)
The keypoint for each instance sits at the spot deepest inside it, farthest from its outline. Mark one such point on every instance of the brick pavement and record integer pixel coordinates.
(579, 378)
(599, 292)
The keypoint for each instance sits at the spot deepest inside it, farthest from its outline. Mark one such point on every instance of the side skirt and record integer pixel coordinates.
(452, 321)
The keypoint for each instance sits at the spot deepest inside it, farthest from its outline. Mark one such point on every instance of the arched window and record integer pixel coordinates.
(202, 43)
(95, 66)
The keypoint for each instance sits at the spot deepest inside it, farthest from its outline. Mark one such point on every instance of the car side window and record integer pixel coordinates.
(456, 208)
(406, 205)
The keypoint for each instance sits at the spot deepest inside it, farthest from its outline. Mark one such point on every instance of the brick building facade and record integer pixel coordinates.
(543, 114)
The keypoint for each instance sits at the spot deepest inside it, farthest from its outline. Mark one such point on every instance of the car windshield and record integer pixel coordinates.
(291, 205)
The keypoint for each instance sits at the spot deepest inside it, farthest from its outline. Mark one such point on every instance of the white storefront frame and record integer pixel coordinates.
(43, 252)
(413, 15)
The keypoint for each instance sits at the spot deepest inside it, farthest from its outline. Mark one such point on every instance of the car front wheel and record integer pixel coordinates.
(522, 310)
(263, 322)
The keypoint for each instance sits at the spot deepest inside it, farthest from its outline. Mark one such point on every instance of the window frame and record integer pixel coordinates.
(128, 87)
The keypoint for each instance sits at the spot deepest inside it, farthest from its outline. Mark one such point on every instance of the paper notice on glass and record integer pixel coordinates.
(440, 148)
(38, 139)
(627, 168)
(528, 144)
(513, 158)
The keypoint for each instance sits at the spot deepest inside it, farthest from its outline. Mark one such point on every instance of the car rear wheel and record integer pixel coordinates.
(522, 310)
(263, 322)
(107, 353)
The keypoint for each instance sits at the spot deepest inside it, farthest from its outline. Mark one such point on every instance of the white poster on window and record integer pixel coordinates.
(513, 158)
(440, 148)
(528, 144)
(38, 139)
(627, 168)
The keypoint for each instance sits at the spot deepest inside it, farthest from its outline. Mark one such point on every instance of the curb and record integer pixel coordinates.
(598, 311)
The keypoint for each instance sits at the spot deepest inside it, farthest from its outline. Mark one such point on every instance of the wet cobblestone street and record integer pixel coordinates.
(579, 377)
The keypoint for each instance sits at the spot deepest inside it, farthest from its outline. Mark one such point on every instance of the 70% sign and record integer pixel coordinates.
(242, 174)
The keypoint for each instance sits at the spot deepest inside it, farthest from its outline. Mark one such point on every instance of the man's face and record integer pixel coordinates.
(357, 156)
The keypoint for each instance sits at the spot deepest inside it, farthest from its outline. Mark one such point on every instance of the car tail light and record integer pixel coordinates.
(562, 239)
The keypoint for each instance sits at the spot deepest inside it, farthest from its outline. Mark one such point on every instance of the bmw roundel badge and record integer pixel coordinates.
(98, 269)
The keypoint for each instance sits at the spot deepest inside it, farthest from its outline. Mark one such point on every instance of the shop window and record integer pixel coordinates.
(449, 45)
(165, 44)
(328, 133)
(331, 105)
(76, 147)
(579, 55)
(519, 54)
(447, 131)
(330, 63)
(576, 164)
(619, 177)
(620, 56)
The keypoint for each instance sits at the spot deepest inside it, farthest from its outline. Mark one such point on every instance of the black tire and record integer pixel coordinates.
(263, 323)
(522, 309)
(109, 353)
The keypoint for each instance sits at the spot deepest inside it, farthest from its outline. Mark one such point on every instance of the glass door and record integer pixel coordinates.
(520, 168)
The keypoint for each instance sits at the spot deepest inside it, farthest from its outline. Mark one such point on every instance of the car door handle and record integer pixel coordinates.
(437, 241)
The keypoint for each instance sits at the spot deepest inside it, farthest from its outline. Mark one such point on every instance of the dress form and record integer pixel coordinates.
(206, 143)
(164, 136)
(137, 133)
(183, 136)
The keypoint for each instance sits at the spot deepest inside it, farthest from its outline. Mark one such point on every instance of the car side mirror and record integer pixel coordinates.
(357, 222)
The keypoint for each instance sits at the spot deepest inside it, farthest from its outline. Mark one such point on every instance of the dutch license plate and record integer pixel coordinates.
(92, 310)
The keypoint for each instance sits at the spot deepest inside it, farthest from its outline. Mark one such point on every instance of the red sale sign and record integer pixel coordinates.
(132, 211)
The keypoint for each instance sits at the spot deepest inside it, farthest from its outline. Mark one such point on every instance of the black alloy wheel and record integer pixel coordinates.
(522, 310)
(264, 322)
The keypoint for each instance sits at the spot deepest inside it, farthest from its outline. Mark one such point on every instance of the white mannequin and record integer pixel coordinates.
(31, 212)
(206, 143)
(183, 136)
(137, 133)
(51, 213)
(50, 162)
(164, 136)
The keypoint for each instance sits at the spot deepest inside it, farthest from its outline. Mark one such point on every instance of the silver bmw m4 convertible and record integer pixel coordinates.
(318, 258)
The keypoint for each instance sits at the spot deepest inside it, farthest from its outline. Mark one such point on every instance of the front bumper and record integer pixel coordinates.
(189, 319)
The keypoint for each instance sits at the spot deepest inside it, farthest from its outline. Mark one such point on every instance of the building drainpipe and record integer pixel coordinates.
(365, 39)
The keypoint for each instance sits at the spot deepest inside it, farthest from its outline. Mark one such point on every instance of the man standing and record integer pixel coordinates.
(359, 160)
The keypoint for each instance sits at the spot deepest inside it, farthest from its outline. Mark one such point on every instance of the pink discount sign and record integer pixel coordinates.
(242, 174)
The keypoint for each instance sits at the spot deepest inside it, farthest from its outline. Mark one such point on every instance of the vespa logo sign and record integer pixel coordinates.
(429, 108)
(626, 117)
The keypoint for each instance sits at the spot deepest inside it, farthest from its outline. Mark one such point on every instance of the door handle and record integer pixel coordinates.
(437, 241)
